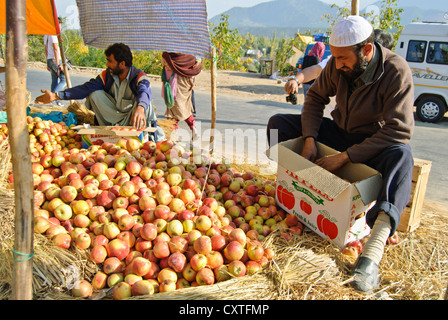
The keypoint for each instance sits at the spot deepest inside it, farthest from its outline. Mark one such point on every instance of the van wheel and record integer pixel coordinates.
(431, 109)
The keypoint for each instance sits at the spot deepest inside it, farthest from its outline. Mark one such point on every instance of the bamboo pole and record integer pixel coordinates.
(213, 71)
(64, 62)
(19, 140)
(355, 7)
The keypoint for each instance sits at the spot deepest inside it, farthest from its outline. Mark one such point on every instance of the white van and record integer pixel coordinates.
(424, 45)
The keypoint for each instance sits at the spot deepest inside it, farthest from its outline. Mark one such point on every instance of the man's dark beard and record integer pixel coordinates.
(358, 68)
(116, 71)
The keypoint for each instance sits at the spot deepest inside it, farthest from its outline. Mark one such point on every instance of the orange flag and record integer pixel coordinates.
(40, 17)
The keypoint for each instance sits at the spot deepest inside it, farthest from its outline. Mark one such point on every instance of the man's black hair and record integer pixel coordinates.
(121, 52)
(384, 38)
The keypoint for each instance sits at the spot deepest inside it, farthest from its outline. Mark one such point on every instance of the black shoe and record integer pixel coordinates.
(365, 273)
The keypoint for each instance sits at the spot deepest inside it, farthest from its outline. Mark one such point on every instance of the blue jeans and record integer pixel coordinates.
(395, 163)
(57, 82)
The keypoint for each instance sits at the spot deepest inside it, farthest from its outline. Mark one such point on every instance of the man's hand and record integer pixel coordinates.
(333, 162)
(291, 86)
(309, 150)
(47, 97)
(138, 119)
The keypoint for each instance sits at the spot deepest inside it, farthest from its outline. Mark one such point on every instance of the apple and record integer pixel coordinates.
(160, 225)
(203, 223)
(63, 212)
(198, 261)
(98, 254)
(90, 191)
(113, 265)
(205, 276)
(99, 280)
(214, 259)
(127, 189)
(140, 266)
(126, 222)
(122, 290)
(162, 211)
(203, 245)
(238, 234)
(111, 230)
(142, 288)
(164, 197)
(62, 240)
(222, 273)
(106, 198)
(81, 221)
(174, 228)
(255, 252)
(237, 268)
(161, 249)
(82, 288)
(356, 244)
(350, 252)
(189, 273)
(177, 261)
(148, 231)
(117, 248)
(41, 224)
(233, 251)
(128, 237)
(68, 193)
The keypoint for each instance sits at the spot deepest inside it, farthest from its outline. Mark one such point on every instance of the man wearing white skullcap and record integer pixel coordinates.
(372, 123)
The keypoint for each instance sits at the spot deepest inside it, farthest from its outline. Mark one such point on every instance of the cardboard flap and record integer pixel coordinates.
(313, 174)
(369, 188)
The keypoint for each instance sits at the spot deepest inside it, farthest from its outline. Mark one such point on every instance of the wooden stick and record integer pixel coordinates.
(213, 72)
(355, 7)
(19, 140)
(64, 62)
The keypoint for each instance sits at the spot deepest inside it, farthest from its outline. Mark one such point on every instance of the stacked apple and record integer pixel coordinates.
(3, 132)
(154, 217)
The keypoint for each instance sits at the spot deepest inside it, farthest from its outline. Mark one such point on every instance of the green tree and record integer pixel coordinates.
(389, 18)
(229, 44)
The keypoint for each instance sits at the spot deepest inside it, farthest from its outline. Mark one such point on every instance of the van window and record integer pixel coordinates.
(437, 52)
(416, 51)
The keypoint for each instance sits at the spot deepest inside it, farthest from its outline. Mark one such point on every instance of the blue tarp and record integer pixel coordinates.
(159, 25)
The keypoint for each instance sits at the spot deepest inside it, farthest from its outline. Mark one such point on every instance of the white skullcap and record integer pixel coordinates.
(349, 31)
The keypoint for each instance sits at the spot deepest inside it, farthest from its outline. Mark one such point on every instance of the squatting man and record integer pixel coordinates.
(120, 95)
(372, 123)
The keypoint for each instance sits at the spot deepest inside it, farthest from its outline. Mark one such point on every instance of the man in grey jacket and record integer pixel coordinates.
(372, 123)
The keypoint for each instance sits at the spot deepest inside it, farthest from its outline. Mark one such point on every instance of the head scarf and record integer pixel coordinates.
(181, 64)
(317, 50)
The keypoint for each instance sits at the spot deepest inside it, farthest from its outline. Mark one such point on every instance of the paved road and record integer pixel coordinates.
(239, 118)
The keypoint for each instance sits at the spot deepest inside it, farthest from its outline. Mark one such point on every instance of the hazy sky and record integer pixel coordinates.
(215, 7)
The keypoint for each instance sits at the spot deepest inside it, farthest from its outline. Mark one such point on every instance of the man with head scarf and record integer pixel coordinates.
(314, 57)
(178, 75)
(372, 123)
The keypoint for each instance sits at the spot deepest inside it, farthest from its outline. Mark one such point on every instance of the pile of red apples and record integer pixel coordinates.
(153, 216)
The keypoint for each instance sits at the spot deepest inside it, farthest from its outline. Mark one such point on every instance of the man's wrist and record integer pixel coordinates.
(294, 78)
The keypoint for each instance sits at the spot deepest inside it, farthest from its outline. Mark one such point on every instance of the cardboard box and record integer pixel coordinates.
(325, 202)
(410, 217)
(95, 134)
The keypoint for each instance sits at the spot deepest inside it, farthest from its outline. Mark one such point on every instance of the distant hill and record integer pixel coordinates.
(285, 17)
